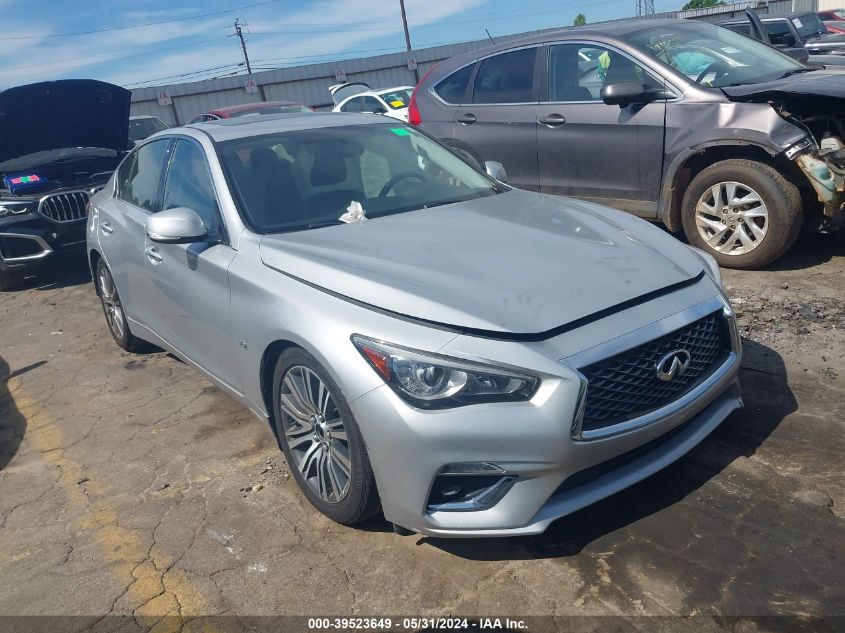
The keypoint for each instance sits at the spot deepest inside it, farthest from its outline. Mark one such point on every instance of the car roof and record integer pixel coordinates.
(258, 105)
(770, 16)
(230, 129)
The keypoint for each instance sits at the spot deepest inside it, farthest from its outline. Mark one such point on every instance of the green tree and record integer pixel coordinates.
(580, 20)
(702, 4)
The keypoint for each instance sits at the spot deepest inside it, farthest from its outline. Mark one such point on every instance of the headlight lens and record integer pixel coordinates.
(431, 381)
(710, 264)
(15, 207)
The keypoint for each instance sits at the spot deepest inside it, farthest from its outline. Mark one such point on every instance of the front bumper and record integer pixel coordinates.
(555, 473)
(29, 240)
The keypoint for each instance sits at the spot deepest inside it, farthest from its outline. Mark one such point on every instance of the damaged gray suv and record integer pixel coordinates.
(691, 124)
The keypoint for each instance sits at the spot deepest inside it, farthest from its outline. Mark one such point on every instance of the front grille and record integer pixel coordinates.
(626, 386)
(64, 207)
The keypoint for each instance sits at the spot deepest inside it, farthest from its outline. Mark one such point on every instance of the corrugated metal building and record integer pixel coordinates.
(309, 83)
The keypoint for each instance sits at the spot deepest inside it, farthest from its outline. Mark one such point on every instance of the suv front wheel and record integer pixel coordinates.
(743, 212)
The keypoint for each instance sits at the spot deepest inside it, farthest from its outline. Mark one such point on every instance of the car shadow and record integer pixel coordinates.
(12, 422)
(71, 271)
(768, 400)
(811, 249)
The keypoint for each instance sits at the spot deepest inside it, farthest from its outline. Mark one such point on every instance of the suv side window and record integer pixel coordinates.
(371, 104)
(506, 78)
(779, 33)
(353, 105)
(189, 184)
(454, 87)
(578, 72)
(140, 175)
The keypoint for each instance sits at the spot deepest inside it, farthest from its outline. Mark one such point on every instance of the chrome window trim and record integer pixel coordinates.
(45, 249)
(715, 382)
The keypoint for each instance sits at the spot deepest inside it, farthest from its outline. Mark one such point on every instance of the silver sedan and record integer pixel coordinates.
(424, 340)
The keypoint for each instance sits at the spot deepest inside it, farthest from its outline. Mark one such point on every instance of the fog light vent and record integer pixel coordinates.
(468, 492)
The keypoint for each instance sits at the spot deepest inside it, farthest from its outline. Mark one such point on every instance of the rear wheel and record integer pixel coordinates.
(744, 213)
(321, 440)
(113, 310)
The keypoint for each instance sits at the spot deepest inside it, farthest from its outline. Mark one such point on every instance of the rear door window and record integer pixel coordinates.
(453, 89)
(506, 78)
(780, 33)
(140, 175)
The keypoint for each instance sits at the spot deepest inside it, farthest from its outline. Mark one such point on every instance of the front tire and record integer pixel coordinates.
(113, 310)
(743, 212)
(321, 440)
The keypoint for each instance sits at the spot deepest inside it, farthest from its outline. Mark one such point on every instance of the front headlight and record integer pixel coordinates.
(431, 381)
(15, 207)
(710, 264)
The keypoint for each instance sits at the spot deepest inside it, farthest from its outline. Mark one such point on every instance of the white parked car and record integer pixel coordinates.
(359, 97)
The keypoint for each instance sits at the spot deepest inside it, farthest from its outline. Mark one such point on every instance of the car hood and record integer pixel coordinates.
(829, 82)
(517, 263)
(60, 114)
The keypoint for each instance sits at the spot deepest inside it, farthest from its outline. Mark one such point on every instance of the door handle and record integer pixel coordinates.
(153, 255)
(553, 120)
(106, 228)
(466, 119)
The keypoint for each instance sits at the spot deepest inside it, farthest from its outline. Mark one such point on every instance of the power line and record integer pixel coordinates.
(140, 26)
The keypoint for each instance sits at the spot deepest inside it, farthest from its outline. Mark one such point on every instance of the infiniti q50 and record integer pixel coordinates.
(423, 339)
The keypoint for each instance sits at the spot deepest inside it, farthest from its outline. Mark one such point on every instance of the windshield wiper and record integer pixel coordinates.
(795, 71)
(305, 227)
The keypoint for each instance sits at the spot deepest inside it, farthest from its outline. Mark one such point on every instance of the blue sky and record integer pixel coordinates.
(172, 41)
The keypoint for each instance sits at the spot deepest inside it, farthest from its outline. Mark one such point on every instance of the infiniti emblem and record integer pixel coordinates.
(673, 364)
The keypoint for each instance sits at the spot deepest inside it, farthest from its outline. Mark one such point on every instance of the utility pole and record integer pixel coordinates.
(240, 34)
(408, 36)
(645, 7)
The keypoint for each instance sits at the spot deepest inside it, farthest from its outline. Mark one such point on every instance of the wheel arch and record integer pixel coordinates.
(94, 257)
(267, 367)
(690, 162)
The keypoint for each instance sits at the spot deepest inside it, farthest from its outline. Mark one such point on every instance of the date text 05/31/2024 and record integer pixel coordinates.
(415, 624)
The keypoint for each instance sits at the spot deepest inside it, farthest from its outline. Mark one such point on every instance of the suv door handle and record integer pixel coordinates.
(153, 255)
(553, 120)
(106, 228)
(466, 119)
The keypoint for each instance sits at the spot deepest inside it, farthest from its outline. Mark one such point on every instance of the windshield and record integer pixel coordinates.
(142, 128)
(713, 56)
(56, 155)
(809, 25)
(396, 99)
(308, 178)
(279, 109)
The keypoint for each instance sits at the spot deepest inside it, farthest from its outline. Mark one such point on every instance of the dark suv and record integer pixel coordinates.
(685, 122)
(60, 141)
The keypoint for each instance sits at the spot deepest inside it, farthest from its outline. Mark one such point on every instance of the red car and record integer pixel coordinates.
(834, 20)
(251, 109)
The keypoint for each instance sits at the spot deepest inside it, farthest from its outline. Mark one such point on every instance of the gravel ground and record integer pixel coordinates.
(135, 496)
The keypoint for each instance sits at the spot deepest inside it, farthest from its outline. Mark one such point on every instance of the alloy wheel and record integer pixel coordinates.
(732, 218)
(111, 303)
(315, 434)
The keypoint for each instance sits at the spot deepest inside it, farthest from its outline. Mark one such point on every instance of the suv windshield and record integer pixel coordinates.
(714, 56)
(142, 128)
(809, 25)
(304, 179)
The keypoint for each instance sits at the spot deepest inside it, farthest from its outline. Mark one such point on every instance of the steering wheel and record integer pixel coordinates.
(390, 184)
(712, 67)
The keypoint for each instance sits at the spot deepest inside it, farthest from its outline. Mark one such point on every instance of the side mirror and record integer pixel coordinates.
(379, 110)
(624, 93)
(496, 171)
(176, 226)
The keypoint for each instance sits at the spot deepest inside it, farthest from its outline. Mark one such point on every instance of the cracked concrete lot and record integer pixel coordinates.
(130, 486)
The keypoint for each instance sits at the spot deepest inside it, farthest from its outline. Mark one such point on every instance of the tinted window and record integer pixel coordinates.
(371, 104)
(578, 72)
(809, 25)
(142, 128)
(454, 87)
(189, 184)
(745, 29)
(353, 105)
(506, 78)
(140, 175)
(779, 33)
